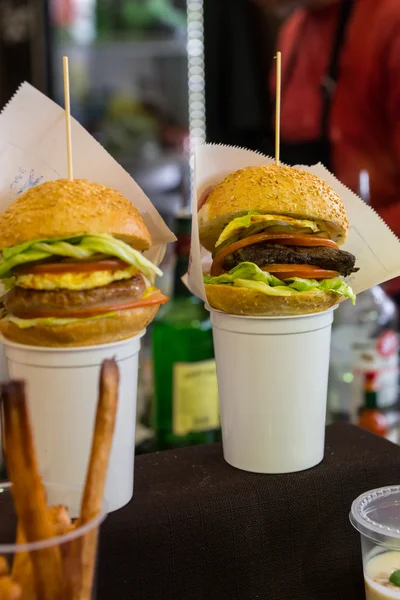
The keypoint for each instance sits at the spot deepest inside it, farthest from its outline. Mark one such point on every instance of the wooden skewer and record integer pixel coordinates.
(278, 107)
(67, 104)
(28, 491)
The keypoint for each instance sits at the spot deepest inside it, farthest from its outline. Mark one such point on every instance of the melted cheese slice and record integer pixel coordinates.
(73, 281)
(287, 223)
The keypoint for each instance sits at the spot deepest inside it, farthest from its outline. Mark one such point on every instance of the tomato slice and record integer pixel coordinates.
(156, 298)
(304, 271)
(286, 239)
(78, 266)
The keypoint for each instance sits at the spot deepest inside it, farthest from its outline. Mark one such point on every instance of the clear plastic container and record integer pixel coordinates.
(77, 548)
(376, 516)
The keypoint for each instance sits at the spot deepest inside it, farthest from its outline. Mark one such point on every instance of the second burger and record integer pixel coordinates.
(274, 233)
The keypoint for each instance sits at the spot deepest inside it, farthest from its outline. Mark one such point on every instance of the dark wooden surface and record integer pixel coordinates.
(198, 529)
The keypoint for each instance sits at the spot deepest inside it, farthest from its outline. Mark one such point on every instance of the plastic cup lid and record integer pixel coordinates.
(376, 515)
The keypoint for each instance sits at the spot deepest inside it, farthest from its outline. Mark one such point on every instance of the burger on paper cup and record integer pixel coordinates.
(274, 233)
(72, 259)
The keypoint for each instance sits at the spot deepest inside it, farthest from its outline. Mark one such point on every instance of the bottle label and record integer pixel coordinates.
(393, 421)
(378, 359)
(195, 397)
(183, 245)
(393, 436)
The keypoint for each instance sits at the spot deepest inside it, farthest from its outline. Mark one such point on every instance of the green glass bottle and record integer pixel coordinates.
(185, 406)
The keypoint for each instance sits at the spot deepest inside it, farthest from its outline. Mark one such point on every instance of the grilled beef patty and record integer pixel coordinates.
(19, 301)
(263, 255)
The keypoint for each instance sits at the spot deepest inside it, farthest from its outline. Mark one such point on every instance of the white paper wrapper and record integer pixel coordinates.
(33, 150)
(375, 246)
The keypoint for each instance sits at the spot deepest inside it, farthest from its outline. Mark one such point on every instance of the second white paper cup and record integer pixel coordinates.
(62, 388)
(272, 381)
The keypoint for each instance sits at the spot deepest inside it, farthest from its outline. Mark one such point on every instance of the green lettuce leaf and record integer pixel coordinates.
(30, 255)
(10, 252)
(303, 285)
(64, 249)
(244, 270)
(106, 244)
(8, 283)
(245, 221)
(269, 290)
(52, 321)
(79, 247)
(338, 286)
(249, 275)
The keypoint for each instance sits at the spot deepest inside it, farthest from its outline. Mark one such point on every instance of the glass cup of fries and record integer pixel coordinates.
(49, 532)
(62, 567)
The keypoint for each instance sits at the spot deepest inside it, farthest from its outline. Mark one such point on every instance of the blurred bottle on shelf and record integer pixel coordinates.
(378, 419)
(364, 339)
(74, 20)
(130, 132)
(132, 128)
(138, 16)
(144, 439)
(62, 12)
(2, 468)
(185, 407)
(3, 377)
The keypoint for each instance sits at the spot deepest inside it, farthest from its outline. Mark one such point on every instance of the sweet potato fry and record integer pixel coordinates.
(22, 570)
(9, 590)
(92, 499)
(4, 569)
(28, 491)
(97, 471)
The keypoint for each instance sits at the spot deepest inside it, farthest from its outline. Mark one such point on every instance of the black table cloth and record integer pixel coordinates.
(198, 529)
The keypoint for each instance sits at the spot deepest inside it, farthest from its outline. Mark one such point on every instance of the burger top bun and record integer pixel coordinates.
(272, 189)
(63, 208)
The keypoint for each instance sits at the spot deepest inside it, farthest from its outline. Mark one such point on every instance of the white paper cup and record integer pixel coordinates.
(272, 381)
(62, 389)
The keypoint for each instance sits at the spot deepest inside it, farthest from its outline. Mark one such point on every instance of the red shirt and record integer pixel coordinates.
(365, 115)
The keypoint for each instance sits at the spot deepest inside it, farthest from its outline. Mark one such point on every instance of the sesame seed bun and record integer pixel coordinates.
(272, 189)
(63, 208)
(243, 301)
(85, 332)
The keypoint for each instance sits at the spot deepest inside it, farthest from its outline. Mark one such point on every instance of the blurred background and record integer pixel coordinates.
(150, 79)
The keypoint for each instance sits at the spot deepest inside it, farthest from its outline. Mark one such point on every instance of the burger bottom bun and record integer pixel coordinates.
(121, 326)
(243, 301)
